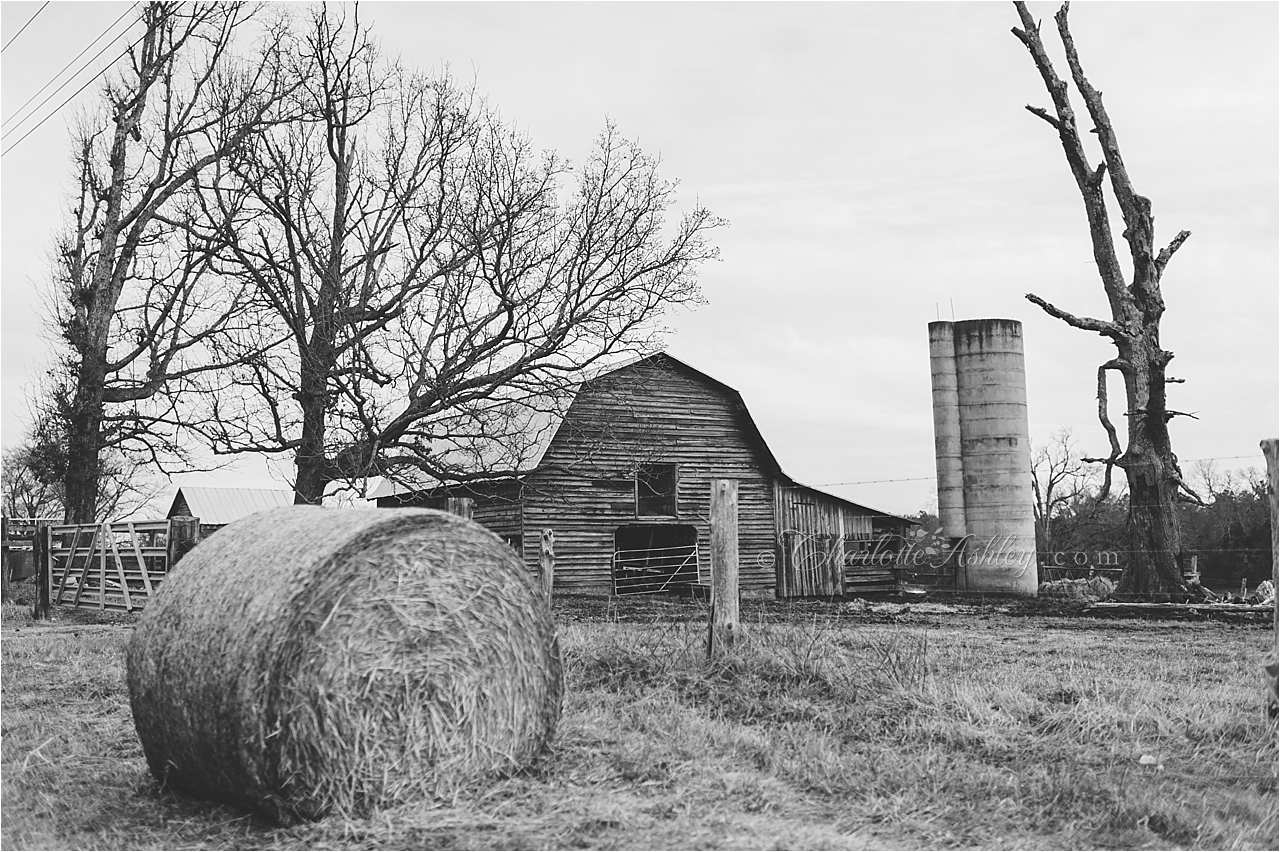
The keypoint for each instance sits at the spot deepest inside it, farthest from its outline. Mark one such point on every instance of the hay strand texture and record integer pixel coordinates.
(307, 661)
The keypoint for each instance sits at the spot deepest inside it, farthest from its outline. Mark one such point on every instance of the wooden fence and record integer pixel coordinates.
(107, 566)
(17, 560)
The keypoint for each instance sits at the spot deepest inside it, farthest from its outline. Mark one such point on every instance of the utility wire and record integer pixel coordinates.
(68, 65)
(875, 481)
(924, 478)
(24, 27)
(68, 82)
(104, 70)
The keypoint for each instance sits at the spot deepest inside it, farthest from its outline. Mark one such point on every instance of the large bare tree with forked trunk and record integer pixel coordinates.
(1155, 480)
(131, 299)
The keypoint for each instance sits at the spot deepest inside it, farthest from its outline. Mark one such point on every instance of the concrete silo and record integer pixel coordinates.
(983, 452)
(946, 429)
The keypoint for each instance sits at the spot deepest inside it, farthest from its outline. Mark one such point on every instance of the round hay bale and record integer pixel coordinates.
(1092, 589)
(1066, 589)
(306, 661)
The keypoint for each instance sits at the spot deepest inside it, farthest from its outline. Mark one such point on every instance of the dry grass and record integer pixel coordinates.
(972, 730)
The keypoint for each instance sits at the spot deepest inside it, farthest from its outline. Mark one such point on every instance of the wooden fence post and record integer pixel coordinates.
(547, 562)
(184, 534)
(463, 507)
(1271, 451)
(5, 567)
(724, 564)
(42, 555)
(107, 538)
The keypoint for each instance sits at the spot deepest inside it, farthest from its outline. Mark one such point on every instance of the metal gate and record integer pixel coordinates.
(654, 570)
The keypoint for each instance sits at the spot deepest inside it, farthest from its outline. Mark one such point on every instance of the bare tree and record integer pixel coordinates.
(1134, 328)
(24, 492)
(131, 300)
(435, 284)
(1059, 478)
(34, 472)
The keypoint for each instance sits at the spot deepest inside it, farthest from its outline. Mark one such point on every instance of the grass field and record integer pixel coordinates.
(833, 726)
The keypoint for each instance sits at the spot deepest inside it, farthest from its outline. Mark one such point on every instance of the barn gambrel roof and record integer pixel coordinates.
(543, 423)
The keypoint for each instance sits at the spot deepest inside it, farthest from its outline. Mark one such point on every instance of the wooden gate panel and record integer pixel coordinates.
(109, 566)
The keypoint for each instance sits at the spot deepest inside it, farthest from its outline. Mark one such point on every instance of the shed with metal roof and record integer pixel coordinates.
(217, 507)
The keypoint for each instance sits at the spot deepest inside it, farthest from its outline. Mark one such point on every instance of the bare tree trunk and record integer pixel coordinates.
(84, 446)
(1154, 566)
(1155, 537)
(311, 465)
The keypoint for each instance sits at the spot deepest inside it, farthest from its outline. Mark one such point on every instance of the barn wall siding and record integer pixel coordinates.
(496, 507)
(646, 414)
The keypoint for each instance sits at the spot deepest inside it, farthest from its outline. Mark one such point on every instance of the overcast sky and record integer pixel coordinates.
(877, 167)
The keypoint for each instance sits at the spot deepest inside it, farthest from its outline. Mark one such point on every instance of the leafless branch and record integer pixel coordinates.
(1107, 329)
(1043, 113)
(1167, 252)
(1116, 457)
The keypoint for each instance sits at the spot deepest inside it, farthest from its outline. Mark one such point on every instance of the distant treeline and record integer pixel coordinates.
(1230, 535)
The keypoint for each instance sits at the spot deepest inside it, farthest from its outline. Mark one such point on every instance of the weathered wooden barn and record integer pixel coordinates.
(623, 478)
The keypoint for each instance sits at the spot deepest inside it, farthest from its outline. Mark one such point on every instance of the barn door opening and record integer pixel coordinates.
(652, 558)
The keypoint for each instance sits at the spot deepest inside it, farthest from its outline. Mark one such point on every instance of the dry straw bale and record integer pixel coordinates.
(305, 661)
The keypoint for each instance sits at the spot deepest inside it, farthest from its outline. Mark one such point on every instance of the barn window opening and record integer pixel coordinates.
(656, 490)
(652, 558)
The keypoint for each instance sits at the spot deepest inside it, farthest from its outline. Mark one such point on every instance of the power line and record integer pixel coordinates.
(70, 79)
(68, 65)
(924, 478)
(104, 70)
(874, 481)
(24, 27)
